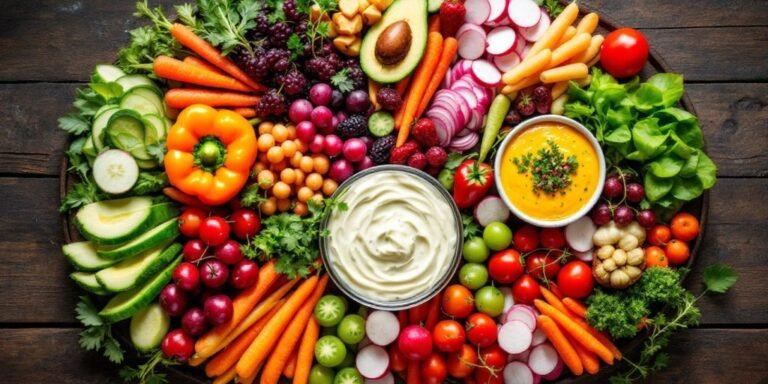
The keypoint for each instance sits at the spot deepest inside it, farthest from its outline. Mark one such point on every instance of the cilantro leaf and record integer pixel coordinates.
(112, 350)
(342, 82)
(150, 182)
(87, 312)
(157, 151)
(81, 194)
(74, 124)
(252, 196)
(471, 229)
(719, 278)
(295, 46)
(97, 335)
(147, 373)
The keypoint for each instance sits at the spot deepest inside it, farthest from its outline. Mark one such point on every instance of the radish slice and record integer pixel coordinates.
(524, 51)
(490, 209)
(521, 315)
(518, 373)
(497, 12)
(486, 73)
(477, 11)
(501, 40)
(447, 117)
(536, 379)
(524, 13)
(579, 234)
(543, 359)
(506, 62)
(465, 143)
(464, 132)
(382, 327)
(115, 171)
(372, 361)
(386, 379)
(444, 132)
(468, 96)
(555, 372)
(534, 33)
(522, 356)
(538, 337)
(584, 256)
(515, 337)
(471, 41)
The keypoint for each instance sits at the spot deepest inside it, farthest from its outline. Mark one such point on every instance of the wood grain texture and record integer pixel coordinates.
(667, 14)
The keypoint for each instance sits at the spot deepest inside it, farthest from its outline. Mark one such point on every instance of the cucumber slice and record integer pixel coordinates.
(115, 171)
(111, 222)
(125, 131)
(155, 128)
(106, 73)
(148, 328)
(82, 255)
(88, 282)
(129, 82)
(161, 234)
(89, 149)
(100, 125)
(434, 5)
(143, 100)
(131, 273)
(147, 164)
(381, 123)
(126, 304)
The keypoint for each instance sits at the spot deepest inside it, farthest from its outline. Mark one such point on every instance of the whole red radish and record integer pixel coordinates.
(415, 342)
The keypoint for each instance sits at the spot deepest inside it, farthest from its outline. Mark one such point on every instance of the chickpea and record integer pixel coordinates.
(329, 186)
(289, 148)
(265, 127)
(283, 205)
(288, 176)
(266, 141)
(322, 164)
(281, 190)
(275, 155)
(314, 181)
(269, 206)
(266, 179)
(304, 194)
(280, 132)
(307, 164)
(300, 208)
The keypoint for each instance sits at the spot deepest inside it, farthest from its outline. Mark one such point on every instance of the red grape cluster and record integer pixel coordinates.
(621, 202)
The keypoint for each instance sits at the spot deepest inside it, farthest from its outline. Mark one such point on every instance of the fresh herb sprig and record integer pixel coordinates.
(97, 335)
(147, 373)
(225, 24)
(550, 170)
(150, 41)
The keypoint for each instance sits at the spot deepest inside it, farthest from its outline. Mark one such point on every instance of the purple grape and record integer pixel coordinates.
(341, 116)
(173, 300)
(305, 131)
(357, 102)
(368, 141)
(321, 94)
(365, 163)
(646, 218)
(334, 122)
(354, 150)
(635, 192)
(623, 215)
(601, 214)
(321, 117)
(193, 322)
(337, 100)
(613, 187)
(341, 170)
(300, 110)
(333, 145)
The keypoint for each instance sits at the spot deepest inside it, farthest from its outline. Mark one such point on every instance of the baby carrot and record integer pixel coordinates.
(576, 331)
(172, 69)
(226, 377)
(575, 307)
(306, 352)
(552, 299)
(194, 60)
(588, 359)
(561, 344)
(248, 113)
(450, 47)
(290, 367)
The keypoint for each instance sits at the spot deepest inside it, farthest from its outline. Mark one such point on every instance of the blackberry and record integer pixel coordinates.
(381, 148)
(294, 82)
(255, 67)
(389, 99)
(261, 29)
(271, 103)
(281, 65)
(359, 80)
(289, 8)
(353, 126)
(279, 34)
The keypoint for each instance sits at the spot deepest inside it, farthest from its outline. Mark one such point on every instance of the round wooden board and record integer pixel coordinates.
(698, 207)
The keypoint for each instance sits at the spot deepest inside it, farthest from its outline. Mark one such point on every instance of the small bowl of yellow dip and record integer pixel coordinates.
(550, 171)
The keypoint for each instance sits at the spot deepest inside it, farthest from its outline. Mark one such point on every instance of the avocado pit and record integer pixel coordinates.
(394, 43)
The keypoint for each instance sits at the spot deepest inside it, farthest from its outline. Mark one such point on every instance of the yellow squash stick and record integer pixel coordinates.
(569, 33)
(555, 30)
(536, 64)
(564, 73)
(559, 89)
(571, 48)
(592, 51)
(588, 23)
(522, 84)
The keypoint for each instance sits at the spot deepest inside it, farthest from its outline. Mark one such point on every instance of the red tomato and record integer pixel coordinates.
(506, 266)
(461, 364)
(448, 336)
(214, 231)
(481, 330)
(659, 235)
(624, 53)
(433, 369)
(245, 223)
(397, 361)
(575, 279)
(552, 238)
(677, 251)
(526, 238)
(491, 373)
(190, 220)
(458, 301)
(685, 227)
(525, 290)
(655, 257)
(541, 266)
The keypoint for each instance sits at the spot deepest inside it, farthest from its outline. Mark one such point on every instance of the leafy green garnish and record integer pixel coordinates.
(550, 170)
(553, 7)
(719, 278)
(225, 23)
(149, 183)
(148, 42)
(342, 82)
(470, 226)
(97, 335)
(157, 151)
(146, 373)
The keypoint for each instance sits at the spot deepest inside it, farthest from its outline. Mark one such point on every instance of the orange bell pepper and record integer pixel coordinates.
(210, 153)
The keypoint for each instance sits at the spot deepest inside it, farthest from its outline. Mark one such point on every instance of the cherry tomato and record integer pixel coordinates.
(575, 279)
(525, 290)
(397, 361)
(214, 230)
(193, 250)
(552, 238)
(186, 276)
(462, 363)
(655, 257)
(677, 251)
(684, 226)
(494, 358)
(244, 274)
(245, 223)
(506, 266)
(481, 330)
(448, 336)
(526, 238)
(434, 369)
(624, 53)
(659, 235)
(190, 220)
(177, 345)
(458, 301)
(542, 266)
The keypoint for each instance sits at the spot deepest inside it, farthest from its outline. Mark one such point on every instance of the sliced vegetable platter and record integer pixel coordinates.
(204, 162)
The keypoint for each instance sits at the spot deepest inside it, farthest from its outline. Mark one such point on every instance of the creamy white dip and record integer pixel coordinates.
(397, 238)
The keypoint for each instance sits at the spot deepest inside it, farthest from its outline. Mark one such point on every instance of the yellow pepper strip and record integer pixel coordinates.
(210, 153)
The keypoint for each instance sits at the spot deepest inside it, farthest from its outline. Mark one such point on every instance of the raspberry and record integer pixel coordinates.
(389, 99)
(434, 171)
(418, 160)
(271, 103)
(436, 157)
(411, 146)
(425, 133)
(399, 155)
(380, 149)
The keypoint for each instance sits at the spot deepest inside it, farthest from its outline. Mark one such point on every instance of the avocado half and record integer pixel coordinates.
(413, 12)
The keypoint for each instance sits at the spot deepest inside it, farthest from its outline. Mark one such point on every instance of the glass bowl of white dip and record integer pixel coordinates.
(399, 241)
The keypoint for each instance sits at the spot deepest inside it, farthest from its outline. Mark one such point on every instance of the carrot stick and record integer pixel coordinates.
(588, 359)
(402, 85)
(229, 356)
(434, 24)
(450, 47)
(306, 352)
(282, 352)
(242, 306)
(255, 355)
(172, 69)
(434, 312)
(553, 300)
(575, 307)
(578, 332)
(226, 377)
(187, 38)
(250, 379)
(248, 113)
(601, 337)
(421, 78)
(413, 376)
(184, 199)
(194, 60)
(184, 97)
(418, 313)
(561, 344)
(290, 367)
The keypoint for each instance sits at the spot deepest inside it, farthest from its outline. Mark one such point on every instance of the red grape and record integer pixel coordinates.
(365, 163)
(214, 230)
(646, 218)
(317, 144)
(244, 274)
(354, 150)
(193, 322)
(321, 117)
(300, 110)
(341, 170)
(601, 214)
(193, 250)
(218, 309)
(333, 145)
(635, 192)
(214, 273)
(321, 94)
(623, 215)
(305, 131)
(229, 252)
(613, 187)
(246, 223)
(357, 102)
(173, 300)
(178, 345)
(186, 276)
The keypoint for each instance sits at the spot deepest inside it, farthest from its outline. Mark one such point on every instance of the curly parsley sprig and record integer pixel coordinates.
(97, 335)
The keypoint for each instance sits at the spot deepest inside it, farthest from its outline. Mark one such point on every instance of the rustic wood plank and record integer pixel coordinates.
(668, 14)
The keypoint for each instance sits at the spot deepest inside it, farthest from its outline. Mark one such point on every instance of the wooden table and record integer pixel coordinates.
(49, 48)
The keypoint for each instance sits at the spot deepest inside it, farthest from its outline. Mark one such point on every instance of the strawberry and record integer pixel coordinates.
(400, 155)
(418, 160)
(425, 133)
(452, 14)
(524, 104)
(436, 157)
